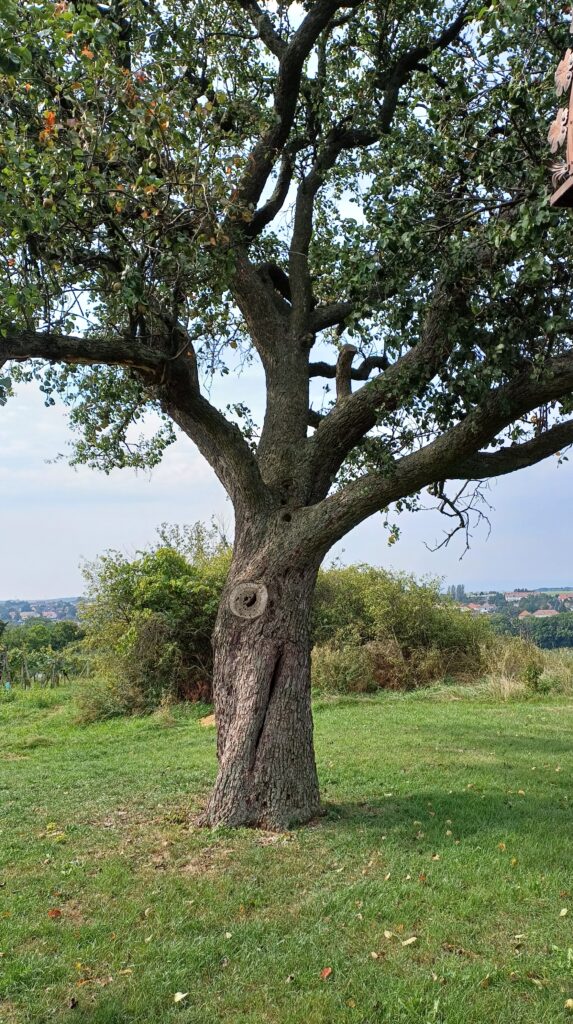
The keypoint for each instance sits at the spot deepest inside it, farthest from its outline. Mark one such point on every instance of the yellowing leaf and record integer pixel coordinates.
(410, 941)
(180, 996)
(564, 912)
(325, 973)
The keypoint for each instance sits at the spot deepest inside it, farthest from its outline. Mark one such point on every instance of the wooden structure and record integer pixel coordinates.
(561, 134)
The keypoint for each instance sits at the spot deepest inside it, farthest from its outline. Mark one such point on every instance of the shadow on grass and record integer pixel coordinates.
(420, 821)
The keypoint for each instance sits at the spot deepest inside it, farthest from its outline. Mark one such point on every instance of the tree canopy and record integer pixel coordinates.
(188, 186)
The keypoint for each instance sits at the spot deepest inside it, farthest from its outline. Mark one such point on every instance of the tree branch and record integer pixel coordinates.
(342, 138)
(361, 372)
(454, 452)
(343, 372)
(268, 212)
(171, 369)
(264, 27)
(485, 465)
(287, 89)
(348, 422)
(21, 345)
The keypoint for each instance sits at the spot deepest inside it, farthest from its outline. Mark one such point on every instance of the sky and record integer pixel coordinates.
(53, 516)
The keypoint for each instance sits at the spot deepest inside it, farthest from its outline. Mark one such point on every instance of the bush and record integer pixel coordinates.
(346, 669)
(148, 625)
(40, 651)
(41, 635)
(382, 630)
(515, 658)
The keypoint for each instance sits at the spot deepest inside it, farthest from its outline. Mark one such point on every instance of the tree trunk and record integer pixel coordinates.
(261, 688)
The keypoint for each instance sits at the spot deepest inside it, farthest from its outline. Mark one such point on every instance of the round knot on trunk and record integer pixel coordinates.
(248, 600)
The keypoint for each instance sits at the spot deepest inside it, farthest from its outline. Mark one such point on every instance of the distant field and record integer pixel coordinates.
(437, 888)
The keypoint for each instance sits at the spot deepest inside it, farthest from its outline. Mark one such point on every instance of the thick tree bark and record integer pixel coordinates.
(267, 774)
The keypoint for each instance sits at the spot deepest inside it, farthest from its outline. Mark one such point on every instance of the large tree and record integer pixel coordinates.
(351, 193)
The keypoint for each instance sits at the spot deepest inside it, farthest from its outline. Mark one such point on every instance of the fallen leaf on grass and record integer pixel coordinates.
(54, 912)
(127, 970)
(410, 941)
(569, 1004)
(207, 722)
(388, 935)
(325, 973)
(180, 996)
(564, 912)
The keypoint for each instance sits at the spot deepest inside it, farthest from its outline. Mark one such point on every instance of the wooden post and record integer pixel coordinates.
(561, 132)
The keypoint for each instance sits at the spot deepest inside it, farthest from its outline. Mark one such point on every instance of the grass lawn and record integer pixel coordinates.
(447, 822)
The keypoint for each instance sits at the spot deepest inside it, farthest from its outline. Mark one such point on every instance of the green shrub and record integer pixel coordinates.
(344, 669)
(515, 658)
(148, 626)
(407, 633)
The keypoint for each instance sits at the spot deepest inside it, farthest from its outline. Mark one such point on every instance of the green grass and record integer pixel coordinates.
(426, 834)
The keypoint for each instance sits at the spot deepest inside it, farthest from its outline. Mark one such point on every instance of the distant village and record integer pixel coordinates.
(515, 604)
(520, 604)
(58, 609)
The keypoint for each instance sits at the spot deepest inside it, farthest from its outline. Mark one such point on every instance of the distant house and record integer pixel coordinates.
(545, 613)
(49, 615)
(519, 595)
(565, 597)
(479, 609)
(524, 615)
